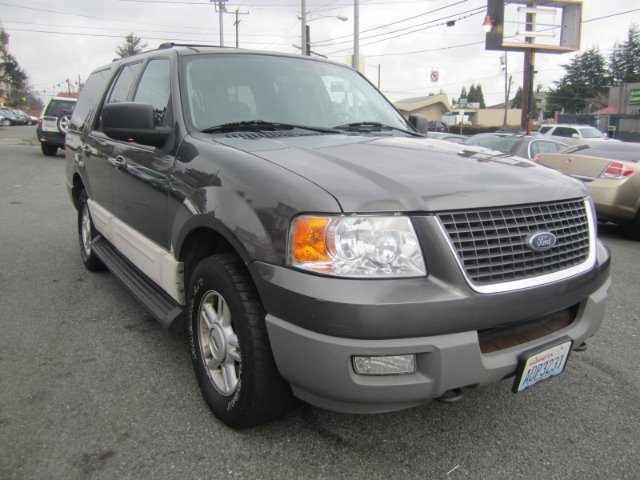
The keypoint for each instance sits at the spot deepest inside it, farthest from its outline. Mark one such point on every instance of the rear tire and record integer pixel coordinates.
(49, 150)
(230, 348)
(86, 234)
(632, 229)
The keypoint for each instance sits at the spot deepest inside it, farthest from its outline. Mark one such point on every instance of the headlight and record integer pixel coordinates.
(356, 246)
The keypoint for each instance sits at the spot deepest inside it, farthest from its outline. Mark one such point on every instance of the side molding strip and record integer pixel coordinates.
(151, 259)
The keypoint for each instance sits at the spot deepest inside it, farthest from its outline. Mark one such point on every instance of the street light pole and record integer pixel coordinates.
(221, 15)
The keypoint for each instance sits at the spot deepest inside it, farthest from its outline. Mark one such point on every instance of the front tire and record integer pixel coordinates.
(49, 150)
(230, 348)
(86, 234)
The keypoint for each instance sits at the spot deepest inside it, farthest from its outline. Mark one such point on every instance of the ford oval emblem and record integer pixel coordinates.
(541, 241)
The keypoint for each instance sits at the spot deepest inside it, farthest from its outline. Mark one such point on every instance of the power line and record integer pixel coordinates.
(396, 22)
(86, 34)
(207, 32)
(612, 15)
(448, 18)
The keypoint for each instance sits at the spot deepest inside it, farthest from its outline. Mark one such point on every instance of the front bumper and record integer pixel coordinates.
(316, 324)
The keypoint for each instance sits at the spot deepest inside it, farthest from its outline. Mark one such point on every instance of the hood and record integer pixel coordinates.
(383, 174)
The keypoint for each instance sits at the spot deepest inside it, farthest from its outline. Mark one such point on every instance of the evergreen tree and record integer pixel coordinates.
(516, 101)
(463, 93)
(585, 80)
(480, 96)
(624, 59)
(131, 46)
(472, 96)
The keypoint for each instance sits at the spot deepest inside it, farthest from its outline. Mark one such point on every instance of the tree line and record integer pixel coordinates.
(584, 88)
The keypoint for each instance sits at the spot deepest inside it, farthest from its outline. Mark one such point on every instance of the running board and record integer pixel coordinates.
(163, 308)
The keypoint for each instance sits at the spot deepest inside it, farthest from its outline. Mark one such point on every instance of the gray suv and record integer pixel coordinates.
(315, 245)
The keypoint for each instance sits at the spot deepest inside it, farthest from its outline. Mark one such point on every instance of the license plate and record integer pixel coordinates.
(49, 125)
(538, 365)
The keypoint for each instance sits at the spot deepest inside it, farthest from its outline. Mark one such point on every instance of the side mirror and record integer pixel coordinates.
(575, 135)
(419, 122)
(133, 122)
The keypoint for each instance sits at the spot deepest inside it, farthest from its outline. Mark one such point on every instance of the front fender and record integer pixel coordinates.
(237, 221)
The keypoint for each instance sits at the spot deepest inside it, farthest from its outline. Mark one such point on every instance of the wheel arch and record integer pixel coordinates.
(77, 185)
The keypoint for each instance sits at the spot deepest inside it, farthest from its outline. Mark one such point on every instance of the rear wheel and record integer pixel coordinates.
(230, 348)
(49, 150)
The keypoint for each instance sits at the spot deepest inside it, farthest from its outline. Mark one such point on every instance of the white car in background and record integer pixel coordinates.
(571, 134)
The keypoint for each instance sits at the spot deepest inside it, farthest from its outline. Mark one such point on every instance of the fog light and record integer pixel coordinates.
(387, 365)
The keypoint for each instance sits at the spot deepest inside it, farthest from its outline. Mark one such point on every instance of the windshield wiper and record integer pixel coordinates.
(369, 127)
(261, 125)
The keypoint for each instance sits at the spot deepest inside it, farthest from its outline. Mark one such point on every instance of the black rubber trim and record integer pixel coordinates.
(163, 308)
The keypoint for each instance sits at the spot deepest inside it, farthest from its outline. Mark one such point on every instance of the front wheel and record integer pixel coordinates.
(230, 348)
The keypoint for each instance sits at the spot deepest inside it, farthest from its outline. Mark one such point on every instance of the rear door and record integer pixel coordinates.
(98, 148)
(80, 148)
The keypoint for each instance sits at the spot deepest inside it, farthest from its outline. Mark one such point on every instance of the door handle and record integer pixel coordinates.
(120, 162)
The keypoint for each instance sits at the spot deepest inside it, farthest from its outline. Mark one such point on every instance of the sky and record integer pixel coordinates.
(403, 40)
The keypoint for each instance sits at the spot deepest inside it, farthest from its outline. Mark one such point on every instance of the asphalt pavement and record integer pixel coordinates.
(91, 387)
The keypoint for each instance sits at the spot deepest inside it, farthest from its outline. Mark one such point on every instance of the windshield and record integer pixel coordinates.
(590, 133)
(227, 88)
(502, 144)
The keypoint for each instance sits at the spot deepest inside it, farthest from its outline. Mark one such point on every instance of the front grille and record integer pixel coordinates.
(492, 245)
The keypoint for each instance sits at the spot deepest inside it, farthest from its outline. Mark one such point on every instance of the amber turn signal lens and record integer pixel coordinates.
(307, 240)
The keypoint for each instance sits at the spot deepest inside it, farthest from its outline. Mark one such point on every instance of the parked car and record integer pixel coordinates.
(437, 126)
(573, 134)
(11, 116)
(449, 137)
(611, 172)
(28, 119)
(4, 122)
(54, 123)
(318, 247)
(525, 146)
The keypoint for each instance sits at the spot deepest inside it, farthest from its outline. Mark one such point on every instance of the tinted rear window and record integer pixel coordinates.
(59, 107)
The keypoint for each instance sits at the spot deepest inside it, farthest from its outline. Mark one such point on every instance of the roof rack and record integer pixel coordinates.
(174, 44)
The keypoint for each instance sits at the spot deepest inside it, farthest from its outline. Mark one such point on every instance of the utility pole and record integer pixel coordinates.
(378, 76)
(303, 24)
(237, 23)
(527, 80)
(356, 35)
(507, 89)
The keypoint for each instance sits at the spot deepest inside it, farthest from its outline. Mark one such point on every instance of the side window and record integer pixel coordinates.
(89, 97)
(122, 86)
(544, 129)
(549, 147)
(155, 88)
(564, 132)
